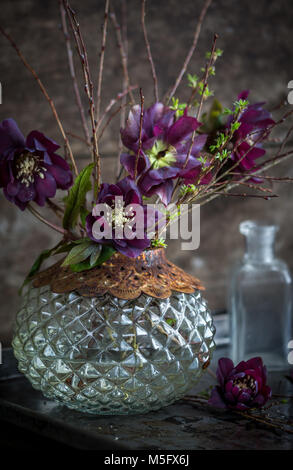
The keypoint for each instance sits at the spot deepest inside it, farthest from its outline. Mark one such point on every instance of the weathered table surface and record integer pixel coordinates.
(183, 425)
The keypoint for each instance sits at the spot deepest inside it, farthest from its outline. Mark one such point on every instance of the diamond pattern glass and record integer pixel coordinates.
(105, 355)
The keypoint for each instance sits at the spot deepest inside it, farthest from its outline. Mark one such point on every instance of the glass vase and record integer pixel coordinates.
(106, 355)
(260, 300)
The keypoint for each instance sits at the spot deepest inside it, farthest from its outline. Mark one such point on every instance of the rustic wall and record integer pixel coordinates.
(256, 38)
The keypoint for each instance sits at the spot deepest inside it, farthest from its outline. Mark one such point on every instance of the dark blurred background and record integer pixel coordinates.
(257, 41)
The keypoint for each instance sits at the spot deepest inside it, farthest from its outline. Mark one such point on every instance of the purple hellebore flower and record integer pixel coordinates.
(129, 192)
(165, 145)
(254, 122)
(241, 387)
(30, 170)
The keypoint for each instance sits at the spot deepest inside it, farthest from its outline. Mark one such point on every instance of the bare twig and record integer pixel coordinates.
(205, 80)
(257, 187)
(285, 179)
(282, 146)
(262, 137)
(72, 73)
(191, 50)
(212, 373)
(58, 211)
(140, 132)
(271, 162)
(88, 85)
(149, 54)
(45, 221)
(75, 136)
(45, 93)
(263, 421)
(102, 55)
(109, 120)
(112, 103)
(268, 165)
(124, 83)
(200, 107)
(261, 196)
(268, 421)
(123, 54)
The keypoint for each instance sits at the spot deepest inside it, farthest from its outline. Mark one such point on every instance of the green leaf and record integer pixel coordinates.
(106, 253)
(95, 254)
(79, 253)
(159, 243)
(76, 198)
(37, 264)
(192, 80)
(83, 215)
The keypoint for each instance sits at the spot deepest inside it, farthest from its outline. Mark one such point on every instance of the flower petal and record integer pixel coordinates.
(37, 140)
(225, 367)
(216, 398)
(181, 129)
(62, 177)
(10, 136)
(45, 188)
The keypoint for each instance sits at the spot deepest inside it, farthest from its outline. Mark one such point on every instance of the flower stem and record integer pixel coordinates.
(45, 93)
(72, 73)
(148, 48)
(140, 133)
(45, 221)
(123, 54)
(191, 50)
(102, 55)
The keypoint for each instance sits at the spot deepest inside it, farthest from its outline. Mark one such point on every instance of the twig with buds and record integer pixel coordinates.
(81, 49)
(72, 73)
(112, 103)
(148, 48)
(102, 55)
(45, 93)
(123, 54)
(202, 15)
(124, 83)
(140, 132)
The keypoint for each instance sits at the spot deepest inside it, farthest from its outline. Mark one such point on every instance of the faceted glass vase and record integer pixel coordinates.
(104, 355)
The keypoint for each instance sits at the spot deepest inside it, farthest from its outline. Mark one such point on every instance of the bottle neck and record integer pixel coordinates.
(260, 241)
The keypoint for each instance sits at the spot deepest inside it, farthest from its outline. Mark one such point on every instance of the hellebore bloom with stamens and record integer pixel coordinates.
(254, 122)
(128, 194)
(30, 170)
(165, 145)
(241, 387)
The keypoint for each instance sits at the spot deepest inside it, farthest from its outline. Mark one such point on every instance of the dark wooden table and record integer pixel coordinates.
(182, 426)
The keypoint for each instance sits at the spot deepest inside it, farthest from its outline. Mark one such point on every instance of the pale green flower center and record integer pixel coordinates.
(161, 155)
(120, 217)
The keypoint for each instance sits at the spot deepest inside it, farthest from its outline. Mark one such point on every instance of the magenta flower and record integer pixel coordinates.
(241, 387)
(254, 122)
(129, 192)
(30, 170)
(165, 144)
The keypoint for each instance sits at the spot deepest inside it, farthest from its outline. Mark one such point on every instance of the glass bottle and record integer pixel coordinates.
(260, 300)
